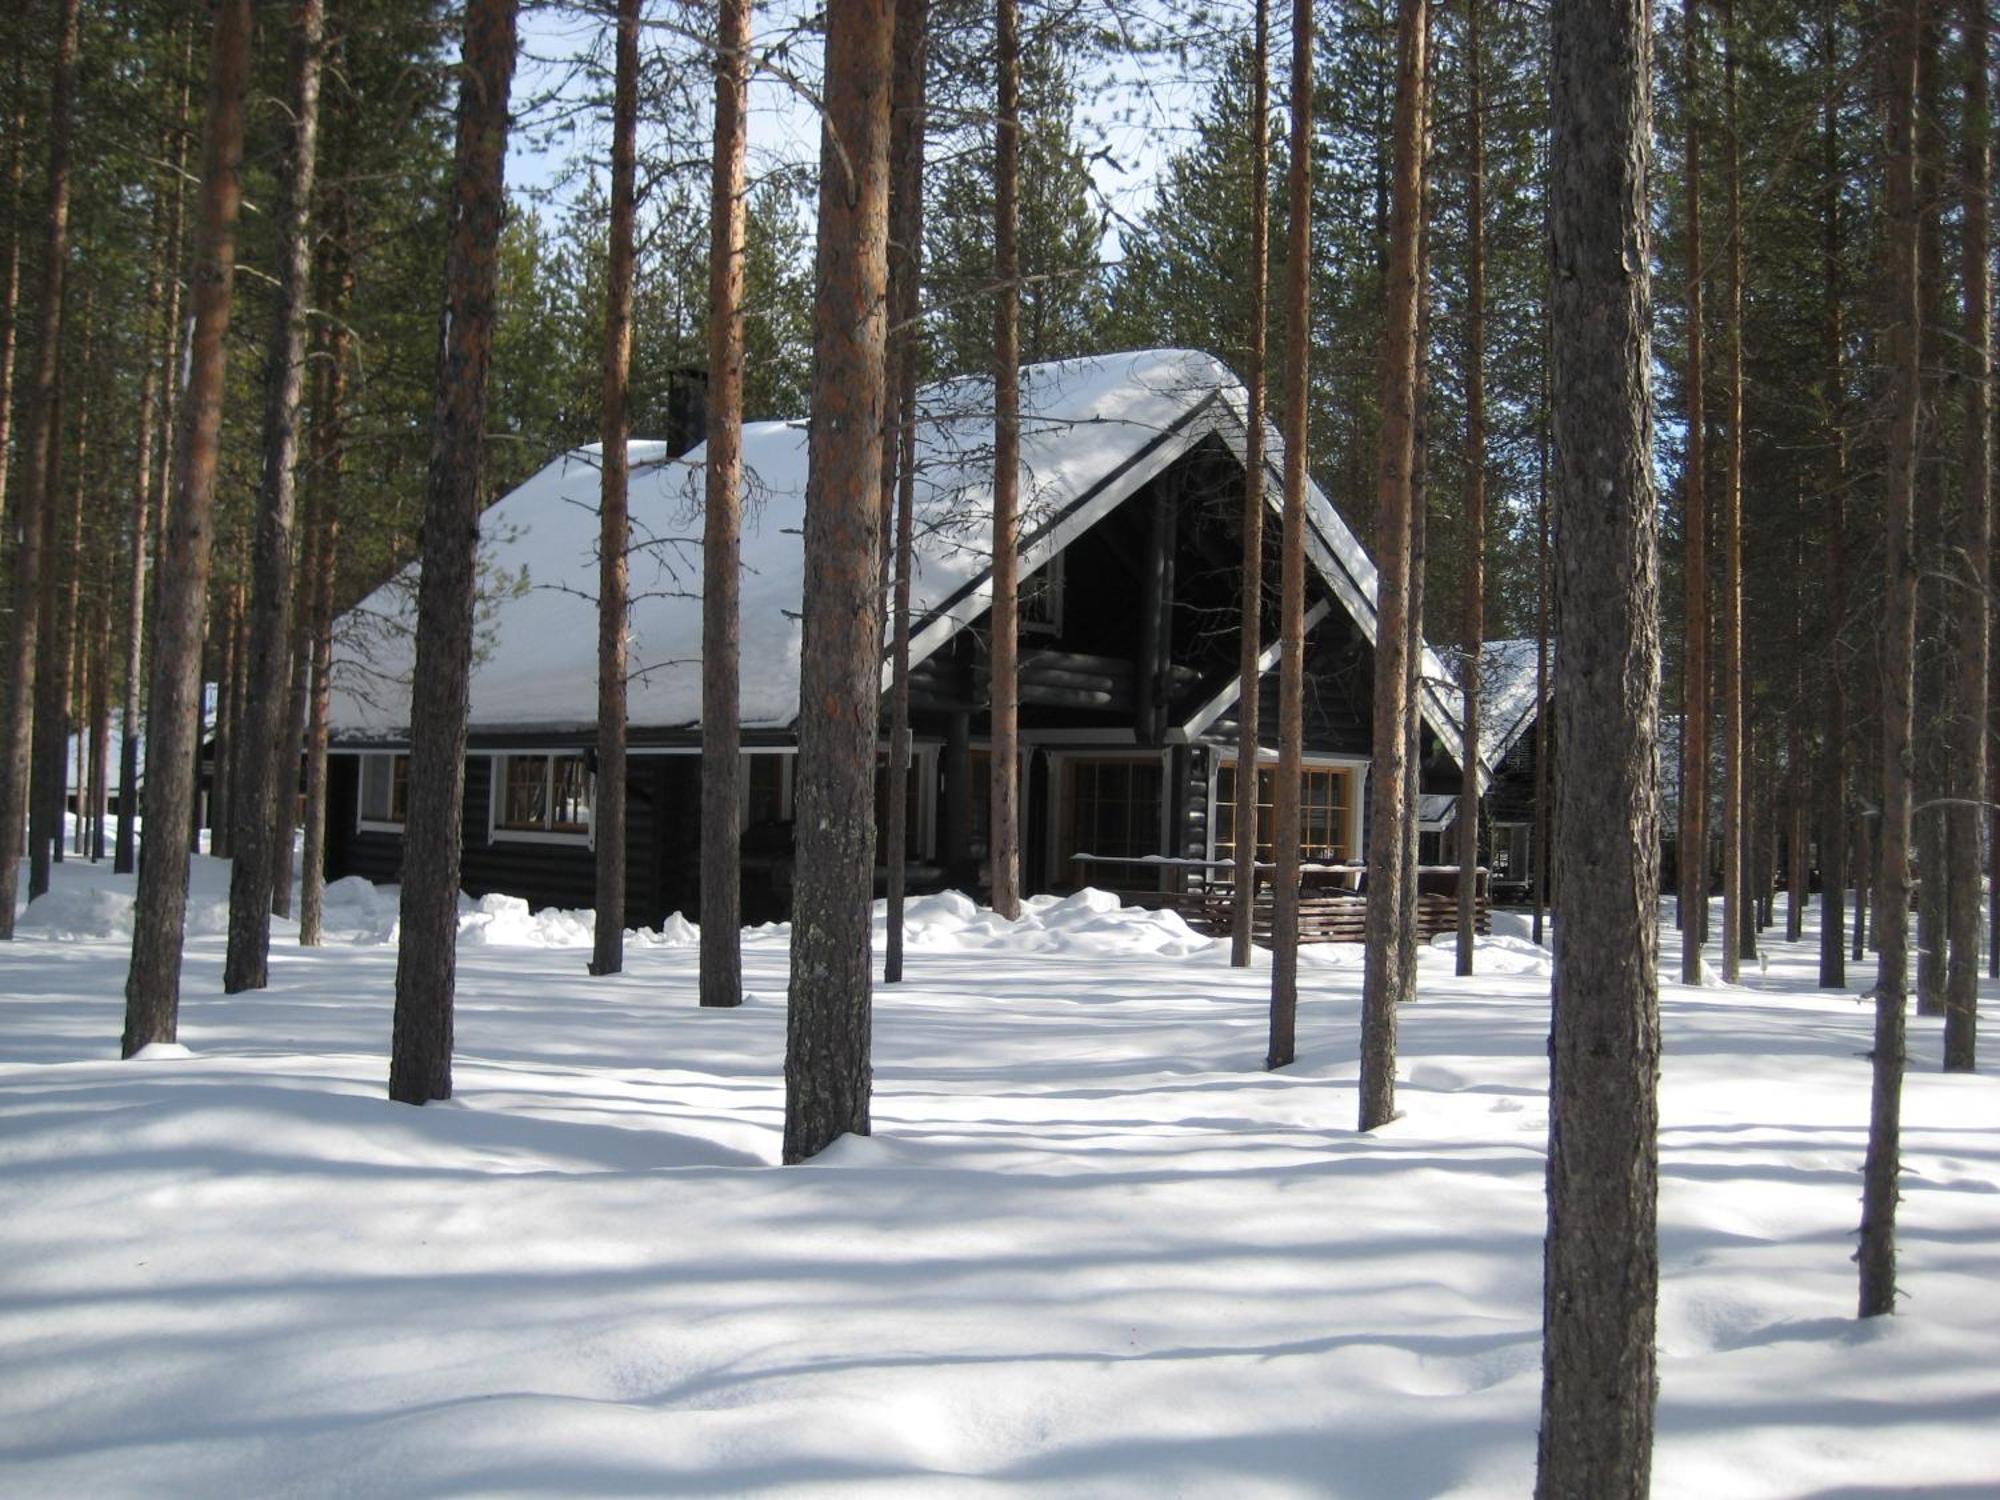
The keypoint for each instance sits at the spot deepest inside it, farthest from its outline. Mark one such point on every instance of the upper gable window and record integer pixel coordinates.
(1042, 599)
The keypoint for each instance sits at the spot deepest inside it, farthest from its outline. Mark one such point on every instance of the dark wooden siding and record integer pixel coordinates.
(543, 874)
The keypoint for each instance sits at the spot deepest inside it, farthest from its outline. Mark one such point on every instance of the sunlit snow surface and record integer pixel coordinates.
(1093, 1248)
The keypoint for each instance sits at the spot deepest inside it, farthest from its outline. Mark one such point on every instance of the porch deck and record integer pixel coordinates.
(1333, 900)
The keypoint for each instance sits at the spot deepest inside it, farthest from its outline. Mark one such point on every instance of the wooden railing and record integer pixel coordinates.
(1331, 910)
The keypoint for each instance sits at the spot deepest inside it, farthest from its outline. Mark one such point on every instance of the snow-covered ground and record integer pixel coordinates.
(1092, 1249)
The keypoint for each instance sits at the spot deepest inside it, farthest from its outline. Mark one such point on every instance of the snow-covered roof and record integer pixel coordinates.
(1094, 431)
(1507, 695)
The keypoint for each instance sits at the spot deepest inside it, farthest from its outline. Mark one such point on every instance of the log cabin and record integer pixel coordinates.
(1132, 478)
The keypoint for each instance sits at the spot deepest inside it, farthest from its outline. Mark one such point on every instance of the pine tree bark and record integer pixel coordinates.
(1975, 531)
(10, 291)
(124, 854)
(1876, 1254)
(1249, 697)
(1542, 726)
(1413, 617)
(289, 752)
(228, 705)
(49, 750)
(722, 528)
(1833, 811)
(1473, 631)
(426, 956)
(1931, 711)
(1601, 1260)
(1004, 822)
(607, 811)
(329, 445)
(827, 1069)
(1382, 983)
(29, 513)
(1736, 916)
(906, 235)
(1695, 752)
(1285, 840)
(263, 709)
(152, 987)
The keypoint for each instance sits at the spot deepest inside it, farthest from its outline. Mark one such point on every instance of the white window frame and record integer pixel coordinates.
(1358, 764)
(496, 779)
(362, 822)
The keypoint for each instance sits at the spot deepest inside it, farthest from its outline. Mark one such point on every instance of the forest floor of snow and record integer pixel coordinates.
(1092, 1248)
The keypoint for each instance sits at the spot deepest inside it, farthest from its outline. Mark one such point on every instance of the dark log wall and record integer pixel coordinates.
(543, 874)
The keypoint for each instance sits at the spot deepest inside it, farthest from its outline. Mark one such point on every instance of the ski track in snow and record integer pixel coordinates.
(1092, 1248)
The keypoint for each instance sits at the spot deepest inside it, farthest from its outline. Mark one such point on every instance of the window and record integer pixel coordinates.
(766, 789)
(1324, 800)
(1114, 808)
(542, 794)
(1041, 599)
(385, 790)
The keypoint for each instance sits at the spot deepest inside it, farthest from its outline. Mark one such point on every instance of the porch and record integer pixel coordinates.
(1333, 898)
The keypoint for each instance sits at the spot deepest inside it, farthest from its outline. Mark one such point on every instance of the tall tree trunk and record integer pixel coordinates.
(100, 738)
(827, 1070)
(1695, 753)
(1877, 1251)
(152, 988)
(722, 527)
(1975, 532)
(10, 286)
(123, 856)
(1931, 710)
(1474, 613)
(1543, 738)
(54, 637)
(426, 958)
(1413, 617)
(1382, 983)
(228, 717)
(607, 811)
(1285, 840)
(1833, 814)
(1004, 824)
(29, 514)
(1796, 779)
(1601, 1259)
(1736, 917)
(1250, 652)
(328, 453)
(262, 711)
(287, 754)
(906, 234)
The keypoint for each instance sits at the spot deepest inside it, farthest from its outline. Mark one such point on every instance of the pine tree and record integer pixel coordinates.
(426, 956)
(1285, 839)
(152, 988)
(1384, 985)
(906, 238)
(722, 525)
(1003, 650)
(1877, 1251)
(247, 963)
(1251, 621)
(608, 801)
(29, 505)
(827, 1069)
(1601, 1257)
